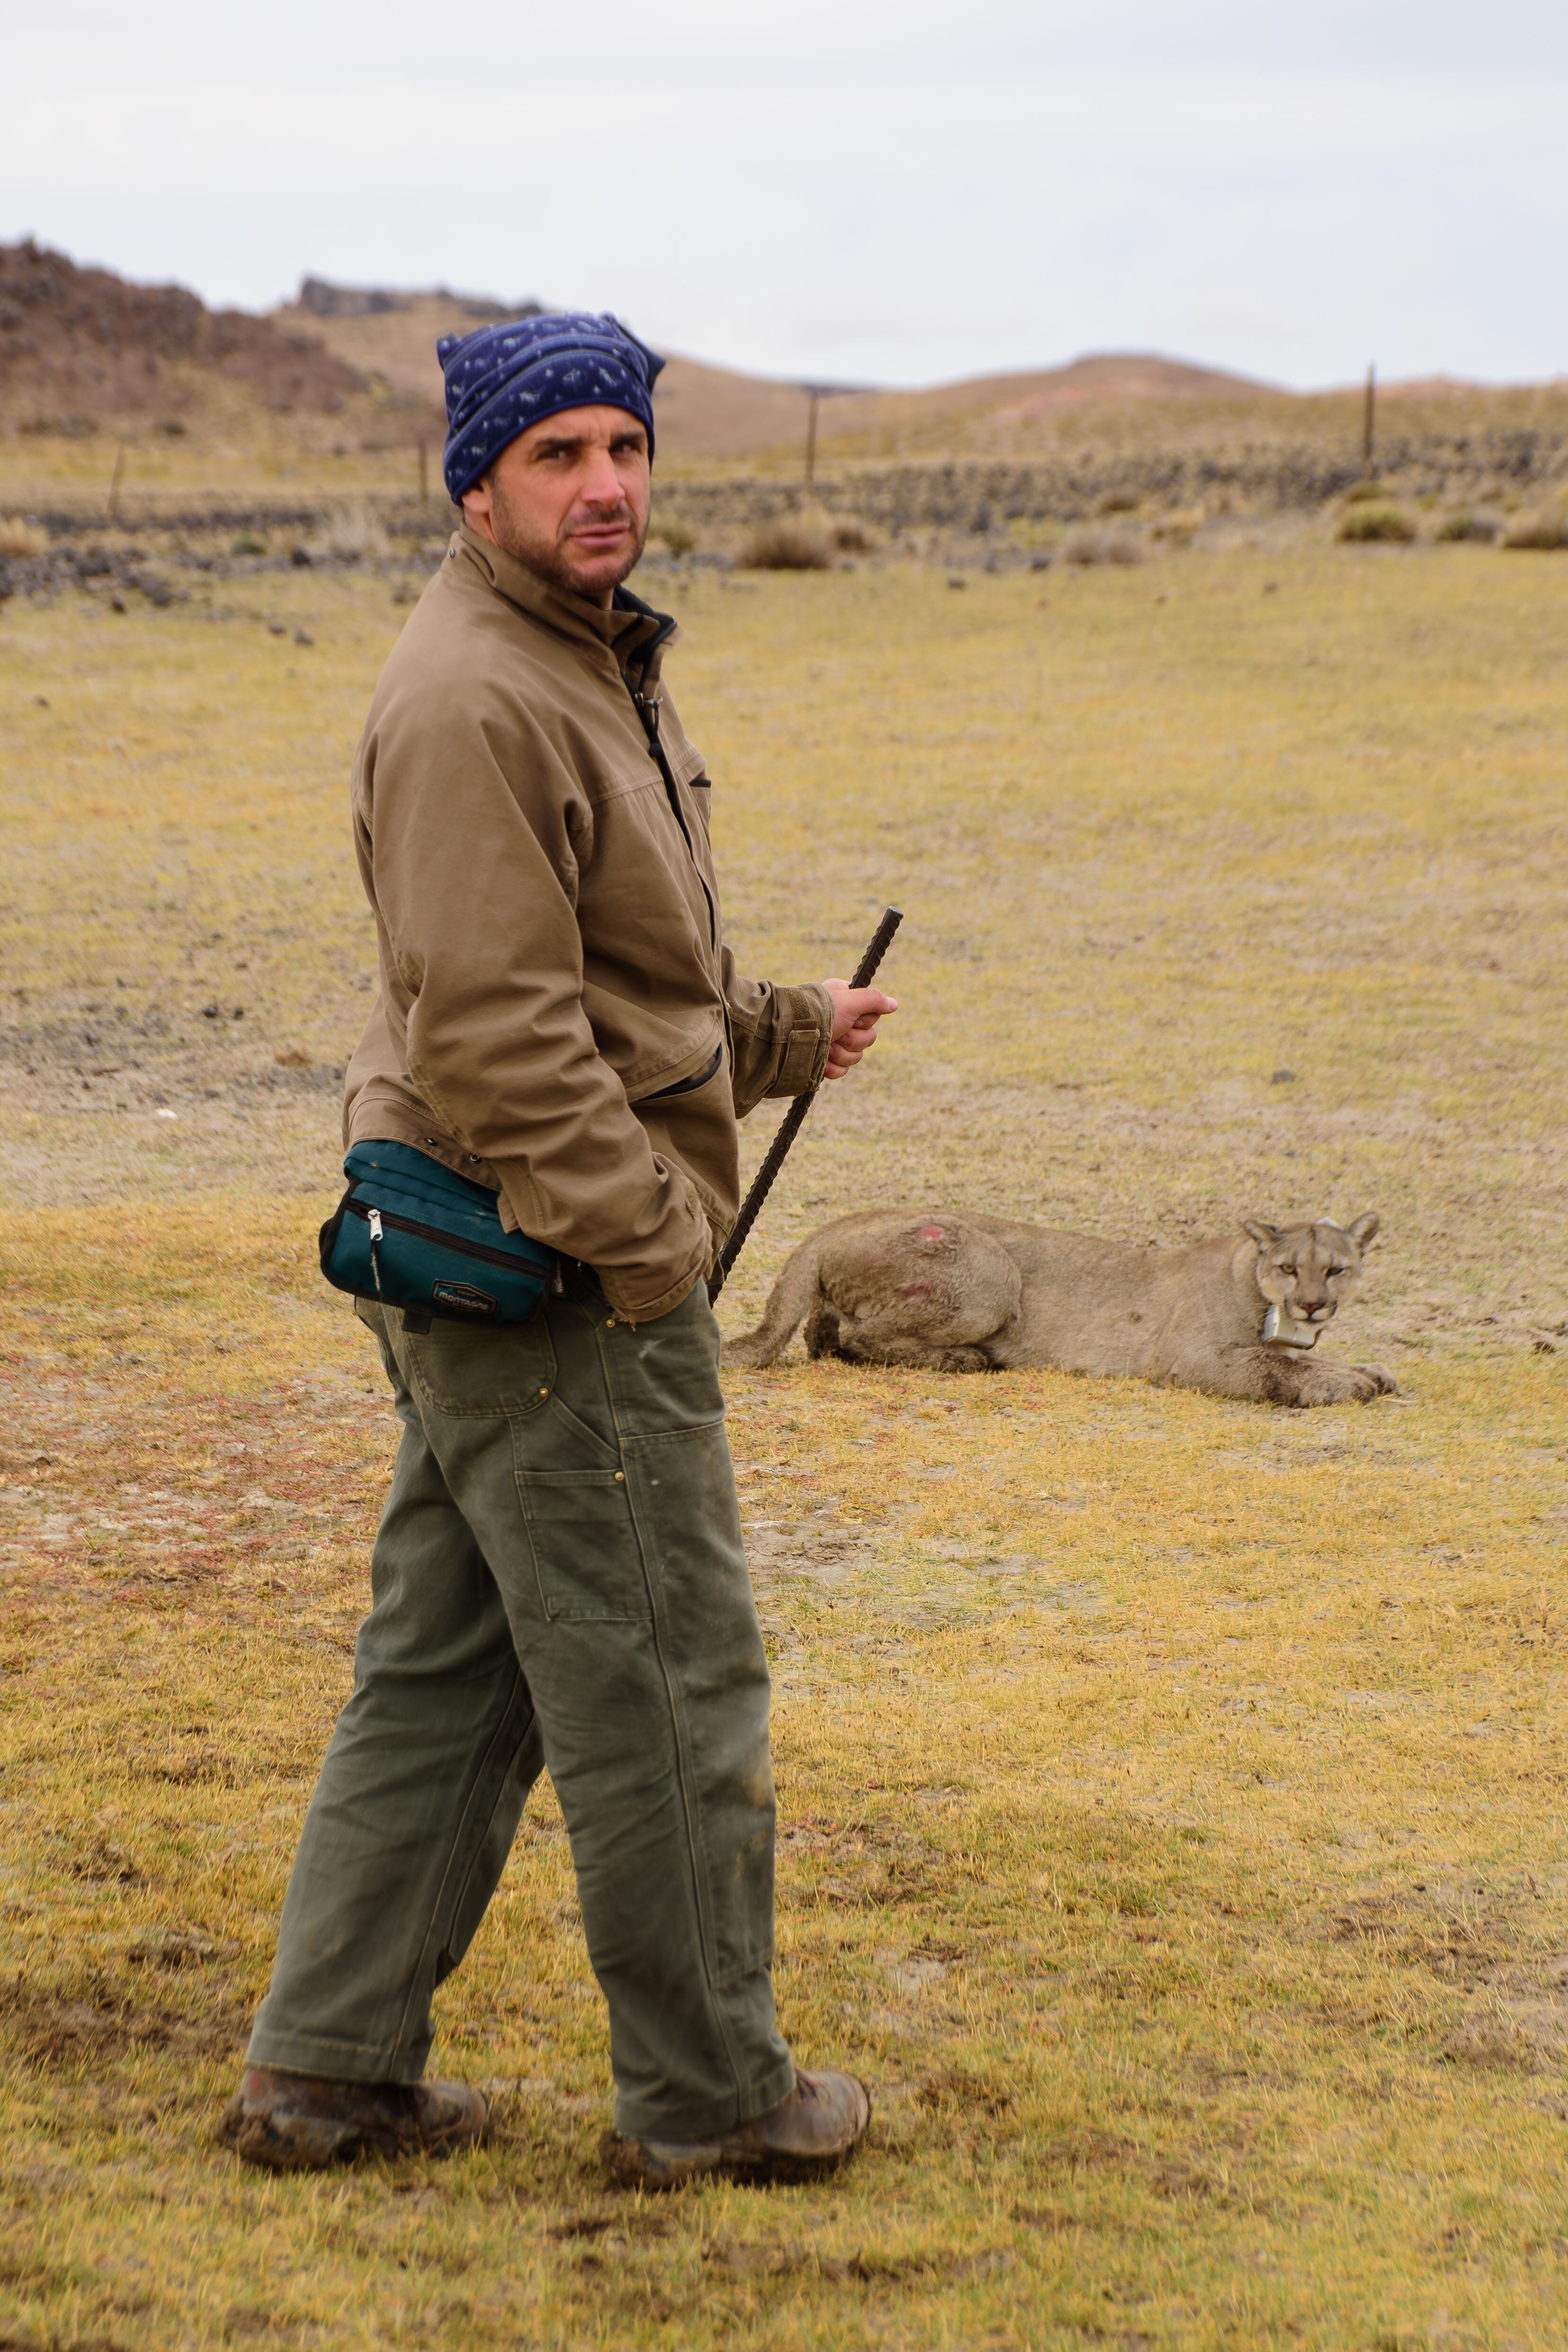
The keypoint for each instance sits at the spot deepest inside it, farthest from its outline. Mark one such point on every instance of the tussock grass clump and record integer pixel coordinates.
(1482, 528)
(1363, 492)
(1366, 523)
(348, 535)
(1086, 547)
(1542, 527)
(788, 543)
(20, 537)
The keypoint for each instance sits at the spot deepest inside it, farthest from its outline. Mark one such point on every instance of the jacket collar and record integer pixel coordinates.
(634, 633)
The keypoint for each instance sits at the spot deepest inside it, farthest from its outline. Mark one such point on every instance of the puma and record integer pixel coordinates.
(1239, 1317)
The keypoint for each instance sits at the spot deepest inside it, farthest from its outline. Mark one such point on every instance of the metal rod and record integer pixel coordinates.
(794, 1120)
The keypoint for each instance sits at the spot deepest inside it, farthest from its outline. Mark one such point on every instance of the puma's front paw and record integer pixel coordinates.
(1344, 1384)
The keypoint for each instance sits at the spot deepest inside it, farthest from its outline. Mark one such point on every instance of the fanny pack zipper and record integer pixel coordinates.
(376, 1218)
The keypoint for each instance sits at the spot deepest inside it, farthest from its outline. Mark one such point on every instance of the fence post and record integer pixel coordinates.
(114, 482)
(1369, 421)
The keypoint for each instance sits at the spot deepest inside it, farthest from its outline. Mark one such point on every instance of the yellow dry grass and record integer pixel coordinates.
(1171, 1791)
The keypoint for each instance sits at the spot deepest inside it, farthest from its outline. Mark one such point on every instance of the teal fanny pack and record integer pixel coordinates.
(409, 1233)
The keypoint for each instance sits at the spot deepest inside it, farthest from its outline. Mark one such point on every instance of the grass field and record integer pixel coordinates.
(1171, 1820)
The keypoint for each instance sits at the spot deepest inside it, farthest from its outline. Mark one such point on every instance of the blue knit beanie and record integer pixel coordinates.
(502, 379)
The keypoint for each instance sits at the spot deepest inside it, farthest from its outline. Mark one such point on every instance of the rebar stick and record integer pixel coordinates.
(794, 1120)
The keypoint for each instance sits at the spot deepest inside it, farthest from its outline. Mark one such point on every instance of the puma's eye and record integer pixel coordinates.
(1291, 1271)
(1337, 1269)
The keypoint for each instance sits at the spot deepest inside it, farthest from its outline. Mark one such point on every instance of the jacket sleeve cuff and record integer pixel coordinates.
(810, 1036)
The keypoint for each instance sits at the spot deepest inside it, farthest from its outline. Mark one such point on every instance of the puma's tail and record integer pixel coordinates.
(791, 1300)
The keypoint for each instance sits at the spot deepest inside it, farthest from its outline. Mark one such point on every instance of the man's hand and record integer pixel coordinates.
(856, 1013)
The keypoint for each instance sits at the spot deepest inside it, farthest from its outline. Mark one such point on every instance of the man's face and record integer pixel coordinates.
(570, 498)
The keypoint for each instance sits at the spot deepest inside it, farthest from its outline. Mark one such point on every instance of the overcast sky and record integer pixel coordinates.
(885, 190)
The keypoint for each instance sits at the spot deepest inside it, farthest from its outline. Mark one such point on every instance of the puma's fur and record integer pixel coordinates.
(1237, 1317)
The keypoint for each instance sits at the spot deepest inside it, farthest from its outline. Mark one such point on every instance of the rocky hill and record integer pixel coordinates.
(81, 347)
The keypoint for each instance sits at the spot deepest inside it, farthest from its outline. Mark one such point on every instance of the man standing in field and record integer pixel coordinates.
(558, 1582)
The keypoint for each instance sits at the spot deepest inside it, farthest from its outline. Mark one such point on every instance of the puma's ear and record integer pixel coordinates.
(1362, 1231)
(1264, 1236)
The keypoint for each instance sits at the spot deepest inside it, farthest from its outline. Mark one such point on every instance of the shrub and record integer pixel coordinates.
(1180, 528)
(1546, 527)
(1102, 547)
(248, 542)
(1360, 493)
(20, 537)
(677, 536)
(1364, 523)
(1466, 526)
(788, 543)
(68, 428)
(1116, 502)
(853, 537)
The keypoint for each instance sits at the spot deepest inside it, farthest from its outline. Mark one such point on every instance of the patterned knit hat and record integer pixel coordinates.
(502, 379)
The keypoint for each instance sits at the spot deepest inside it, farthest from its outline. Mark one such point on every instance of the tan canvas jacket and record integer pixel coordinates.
(558, 1015)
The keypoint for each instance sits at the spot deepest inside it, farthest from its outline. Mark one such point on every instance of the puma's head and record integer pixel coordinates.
(1304, 1272)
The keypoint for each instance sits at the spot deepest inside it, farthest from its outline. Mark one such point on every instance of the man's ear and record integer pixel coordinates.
(1256, 1230)
(476, 503)
(1362, 1231)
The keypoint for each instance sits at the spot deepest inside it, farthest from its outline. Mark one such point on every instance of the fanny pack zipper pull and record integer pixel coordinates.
(373, 1220)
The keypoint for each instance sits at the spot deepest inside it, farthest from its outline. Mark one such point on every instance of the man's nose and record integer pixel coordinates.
(602, 485)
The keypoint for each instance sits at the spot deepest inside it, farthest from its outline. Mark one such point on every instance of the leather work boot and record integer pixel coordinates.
(817, 2128)
(297, 2123)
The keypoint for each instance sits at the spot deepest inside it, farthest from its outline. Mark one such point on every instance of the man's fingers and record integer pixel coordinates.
(854, 1008)
(856, 1013)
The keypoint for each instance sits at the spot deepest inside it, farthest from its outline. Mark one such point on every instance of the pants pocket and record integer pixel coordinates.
(587, 1560)
(476, 1375)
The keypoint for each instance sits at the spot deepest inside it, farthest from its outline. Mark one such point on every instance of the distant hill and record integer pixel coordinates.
(355, 368)
(82, 346)
(704, 414)
(716, 415)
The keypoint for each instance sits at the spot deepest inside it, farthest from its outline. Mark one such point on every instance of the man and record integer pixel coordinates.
(558, 1582)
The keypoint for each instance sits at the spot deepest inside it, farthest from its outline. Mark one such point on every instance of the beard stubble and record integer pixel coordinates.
(545, 557)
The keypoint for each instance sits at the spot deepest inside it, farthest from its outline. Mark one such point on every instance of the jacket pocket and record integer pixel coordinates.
(586, 1557)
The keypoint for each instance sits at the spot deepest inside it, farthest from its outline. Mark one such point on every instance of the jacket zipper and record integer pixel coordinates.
(647, 708)
(376, 1218)
(647, 711)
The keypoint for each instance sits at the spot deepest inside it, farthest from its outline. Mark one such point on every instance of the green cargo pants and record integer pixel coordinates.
(558, 1583)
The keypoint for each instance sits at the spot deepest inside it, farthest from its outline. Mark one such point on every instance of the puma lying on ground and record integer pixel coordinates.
(1239, 1317)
